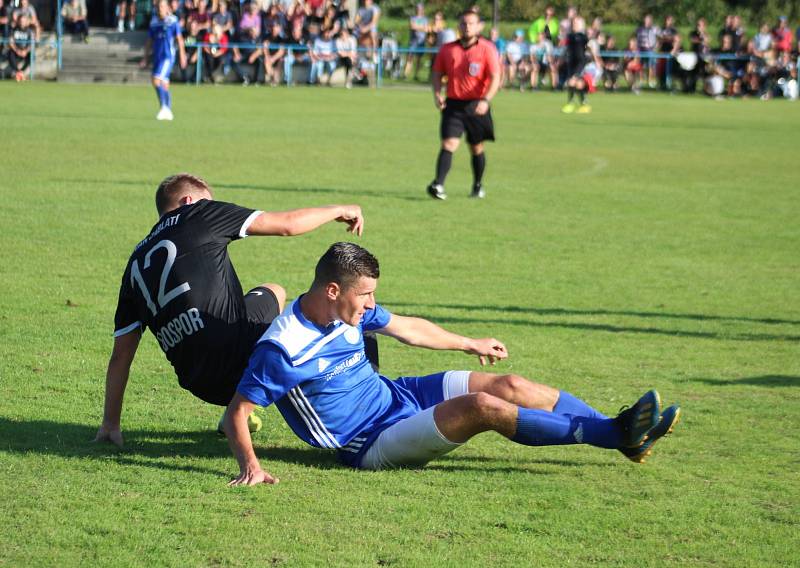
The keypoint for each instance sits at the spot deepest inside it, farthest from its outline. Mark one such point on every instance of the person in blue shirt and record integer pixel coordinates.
(311, 364)
(164, 33)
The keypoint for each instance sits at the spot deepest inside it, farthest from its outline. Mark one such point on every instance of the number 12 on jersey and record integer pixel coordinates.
(163, 297)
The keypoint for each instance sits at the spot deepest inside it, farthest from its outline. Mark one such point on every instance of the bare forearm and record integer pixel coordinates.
(294, 222)
(493, 87)
(420, 332)
(238, 434)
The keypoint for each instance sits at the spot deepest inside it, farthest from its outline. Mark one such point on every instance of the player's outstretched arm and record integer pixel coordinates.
(119, 367)
(241, 444)
(420, 332)
(299, 221)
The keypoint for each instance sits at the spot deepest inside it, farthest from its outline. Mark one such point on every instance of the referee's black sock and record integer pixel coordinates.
(478, 165)
(443, 163)
(571, 94)
(582, 95)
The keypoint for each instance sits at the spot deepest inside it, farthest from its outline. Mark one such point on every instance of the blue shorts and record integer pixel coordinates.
(162, 69)
(423, 392)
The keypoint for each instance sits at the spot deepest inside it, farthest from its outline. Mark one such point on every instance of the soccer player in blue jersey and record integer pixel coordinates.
(164, 34)
(310, 363)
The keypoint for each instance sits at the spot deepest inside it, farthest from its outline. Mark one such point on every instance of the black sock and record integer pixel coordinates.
(478, 165)
(582, 95)
(443, 163)
(571, 94)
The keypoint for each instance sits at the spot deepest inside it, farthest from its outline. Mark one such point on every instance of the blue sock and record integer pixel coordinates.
(542, 428)
(568, 404)
(168, 98)
(161, 98)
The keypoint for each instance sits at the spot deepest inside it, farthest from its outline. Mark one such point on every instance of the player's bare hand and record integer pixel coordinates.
(354, 218)
(182, 61)
(253, 477)
(439, 101)
(143, 63)
(488, 350)
(482, 107)
(110, 434)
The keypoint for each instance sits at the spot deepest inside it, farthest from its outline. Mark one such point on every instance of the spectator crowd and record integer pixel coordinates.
(267, 41)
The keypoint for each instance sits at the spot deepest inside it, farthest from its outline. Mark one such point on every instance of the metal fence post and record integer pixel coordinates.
(379, 78)
(33, 59)
(59, 33)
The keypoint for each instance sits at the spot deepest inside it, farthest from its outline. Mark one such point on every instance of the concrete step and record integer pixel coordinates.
(104, 37)
(105, 76)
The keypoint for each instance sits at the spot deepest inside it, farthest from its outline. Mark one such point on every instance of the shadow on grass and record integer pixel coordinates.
(419, 196)
(455, 462)
(730, 336)
(146, 448)
(760, 381)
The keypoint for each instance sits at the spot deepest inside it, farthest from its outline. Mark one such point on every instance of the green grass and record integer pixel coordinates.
(653, 243)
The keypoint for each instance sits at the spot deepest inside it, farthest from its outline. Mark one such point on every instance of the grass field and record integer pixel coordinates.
(653, 243)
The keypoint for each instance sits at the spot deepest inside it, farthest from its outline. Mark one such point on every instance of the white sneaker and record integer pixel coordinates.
(121, 26)
(164, 114)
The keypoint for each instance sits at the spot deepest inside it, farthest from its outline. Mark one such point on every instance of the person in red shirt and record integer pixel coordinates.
(472, 68)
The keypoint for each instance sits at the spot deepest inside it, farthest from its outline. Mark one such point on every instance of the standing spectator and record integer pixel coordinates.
(611, 65)
(323, 56)
(669, 42)
(473, 79)
(348, 56)
(5, 26)
(215, 54)
(782, 37)
(74, 15)
(191, 39)
(223, 18)
(726, 29)
(646, 38)
(19, 55)
(541, 34)
(366, 23)
(275, 52)
(297, 51)
(700, 47)
(417, 35)
(126, 9)
(252, 53)
(500, 45)
(517, 57)
(738, 34)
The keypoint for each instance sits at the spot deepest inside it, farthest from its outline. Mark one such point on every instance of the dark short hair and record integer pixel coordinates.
(174, 187)
(344, 263)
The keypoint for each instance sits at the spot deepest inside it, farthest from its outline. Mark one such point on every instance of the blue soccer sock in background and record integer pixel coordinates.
(160, 93)
(167, 98)
(542, 428)
(568, 404)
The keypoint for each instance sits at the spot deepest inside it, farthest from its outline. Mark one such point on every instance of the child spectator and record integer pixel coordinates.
(632, 63)
(215, 55)
(611, 65)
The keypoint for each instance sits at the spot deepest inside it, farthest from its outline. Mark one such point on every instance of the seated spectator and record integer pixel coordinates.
(347, 54)
(215, 55)
(729, 68)
(191, 37)
(500, 45)
(74, 17)
(250, 19)
(274, 15)
(5, 26)
(323, 56)
(752, 80)
(297, 51)
(762, 42)
(632, 64)
(275, 53)
(517, 57)
(417, 35)
(223, 18)
(700, 47)
(201, 17)
(782, 37)
(24, 8)
(611, 65)
(252, 53)
(185, 7)
(21, 41)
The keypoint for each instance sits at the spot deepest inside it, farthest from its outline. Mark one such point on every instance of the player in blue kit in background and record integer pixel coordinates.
(164, 33)
(311, 364)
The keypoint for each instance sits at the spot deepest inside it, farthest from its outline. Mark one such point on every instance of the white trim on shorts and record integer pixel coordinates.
(165, 70)
(416, 440)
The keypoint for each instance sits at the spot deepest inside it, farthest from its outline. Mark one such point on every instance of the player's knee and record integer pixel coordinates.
(512, 387)
(450, 144)
(486, 408)
(280, 293)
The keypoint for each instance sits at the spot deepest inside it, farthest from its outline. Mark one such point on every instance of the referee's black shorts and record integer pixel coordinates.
(459, 116)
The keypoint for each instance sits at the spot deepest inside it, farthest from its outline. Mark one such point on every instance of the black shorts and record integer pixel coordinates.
(459, 116)
(222, 371)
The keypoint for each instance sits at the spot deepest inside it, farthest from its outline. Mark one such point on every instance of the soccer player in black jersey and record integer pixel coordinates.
(575, 52)
(180, 283)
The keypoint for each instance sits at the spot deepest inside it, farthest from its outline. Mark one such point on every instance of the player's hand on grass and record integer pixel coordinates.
(354, 218)
(111, 434)
(488, 349)
(253, 477)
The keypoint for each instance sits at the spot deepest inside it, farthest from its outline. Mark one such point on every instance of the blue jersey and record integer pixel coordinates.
(163, 33)
(323, 384)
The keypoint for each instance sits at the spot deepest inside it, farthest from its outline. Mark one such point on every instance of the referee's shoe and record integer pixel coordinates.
(436, 190)
(477, 191)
